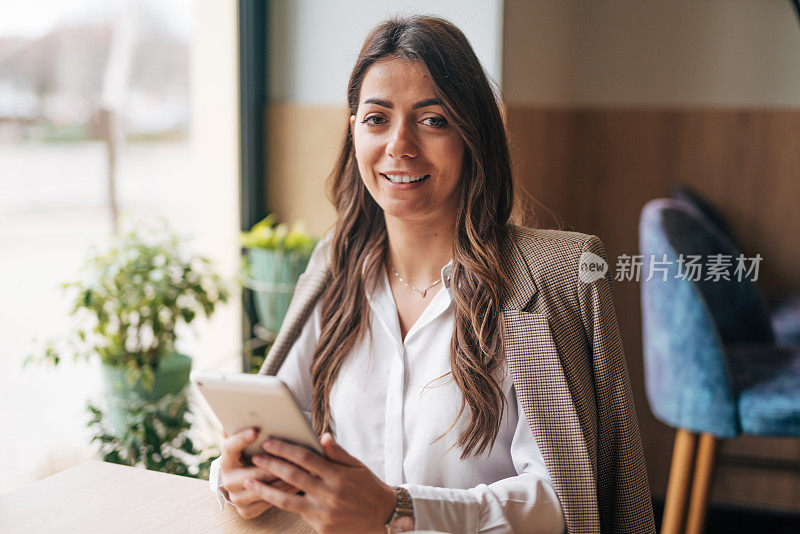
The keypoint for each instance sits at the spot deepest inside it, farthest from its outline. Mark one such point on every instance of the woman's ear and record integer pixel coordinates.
(352, 122)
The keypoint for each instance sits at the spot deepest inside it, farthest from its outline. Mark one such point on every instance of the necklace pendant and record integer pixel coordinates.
(423, 292)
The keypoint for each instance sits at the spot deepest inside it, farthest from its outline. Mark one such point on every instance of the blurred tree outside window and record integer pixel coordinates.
(94, 124)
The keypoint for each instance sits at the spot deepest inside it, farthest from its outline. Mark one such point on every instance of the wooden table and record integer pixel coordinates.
(104, 497)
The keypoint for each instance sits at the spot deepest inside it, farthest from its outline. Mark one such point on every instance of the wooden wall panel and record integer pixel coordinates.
(302, 144)
(596, 168)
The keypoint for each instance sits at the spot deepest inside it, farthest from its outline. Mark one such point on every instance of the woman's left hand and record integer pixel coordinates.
(341, 493)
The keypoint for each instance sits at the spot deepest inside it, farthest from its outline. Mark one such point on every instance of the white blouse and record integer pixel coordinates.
(394, 397)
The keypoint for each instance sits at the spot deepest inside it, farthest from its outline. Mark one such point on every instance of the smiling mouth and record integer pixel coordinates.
(397, 179)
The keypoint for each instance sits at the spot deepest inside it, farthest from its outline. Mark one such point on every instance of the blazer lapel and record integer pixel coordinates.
(522, 288)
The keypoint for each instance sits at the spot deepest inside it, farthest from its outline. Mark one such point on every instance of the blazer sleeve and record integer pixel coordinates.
(623, 492)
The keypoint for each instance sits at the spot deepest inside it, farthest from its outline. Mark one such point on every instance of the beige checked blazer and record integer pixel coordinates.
(566, 360)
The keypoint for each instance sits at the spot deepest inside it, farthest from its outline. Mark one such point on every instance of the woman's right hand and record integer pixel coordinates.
(234, 471)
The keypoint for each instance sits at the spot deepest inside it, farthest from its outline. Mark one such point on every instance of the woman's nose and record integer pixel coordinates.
(401, 142)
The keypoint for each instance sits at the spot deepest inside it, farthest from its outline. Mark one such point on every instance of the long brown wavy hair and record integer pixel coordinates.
(486, 198)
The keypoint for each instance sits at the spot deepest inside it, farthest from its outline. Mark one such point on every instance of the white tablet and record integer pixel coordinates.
(243, 401)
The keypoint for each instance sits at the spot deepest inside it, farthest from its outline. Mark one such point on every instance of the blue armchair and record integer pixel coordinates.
(712, 367)
(784, 311)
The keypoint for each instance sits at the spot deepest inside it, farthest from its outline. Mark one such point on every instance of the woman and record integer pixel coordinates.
(473, 380)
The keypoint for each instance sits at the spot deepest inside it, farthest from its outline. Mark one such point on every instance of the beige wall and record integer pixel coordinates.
(314, 43)
(651, 53)
(299, 159)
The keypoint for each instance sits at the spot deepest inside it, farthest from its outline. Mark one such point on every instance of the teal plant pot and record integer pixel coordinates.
(171, 376)
(273, 277)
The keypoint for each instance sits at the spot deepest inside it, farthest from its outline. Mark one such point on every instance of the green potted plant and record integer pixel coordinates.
(127, 305)
(276, 257)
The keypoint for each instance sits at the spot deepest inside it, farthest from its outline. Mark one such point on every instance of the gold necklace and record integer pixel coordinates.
(422, 292)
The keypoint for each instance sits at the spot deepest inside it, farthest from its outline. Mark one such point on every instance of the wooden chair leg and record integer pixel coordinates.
(679, 480)
(701, 485)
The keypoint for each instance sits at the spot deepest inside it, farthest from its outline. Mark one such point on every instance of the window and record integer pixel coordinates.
(65, 68)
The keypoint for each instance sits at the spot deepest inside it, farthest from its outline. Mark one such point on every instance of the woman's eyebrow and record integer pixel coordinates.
(421, 104)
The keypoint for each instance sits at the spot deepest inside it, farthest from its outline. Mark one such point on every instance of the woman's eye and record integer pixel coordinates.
(436, 122)
(370, 122)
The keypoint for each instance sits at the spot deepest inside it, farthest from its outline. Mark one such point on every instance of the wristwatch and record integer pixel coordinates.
(402, 519)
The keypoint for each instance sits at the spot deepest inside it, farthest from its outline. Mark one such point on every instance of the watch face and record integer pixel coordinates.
(402, 524)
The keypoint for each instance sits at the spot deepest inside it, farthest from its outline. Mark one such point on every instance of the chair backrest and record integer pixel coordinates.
(704, 206)
(687, 324)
